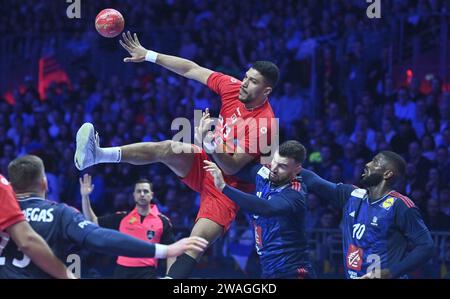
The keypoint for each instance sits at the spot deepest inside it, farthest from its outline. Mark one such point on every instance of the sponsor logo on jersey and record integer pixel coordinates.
(264, 172)
(4, 181)
(387, 204)
(38, 215)
(263, 130)
(359, 193)
(354, 257)
(258, 238)
(352, 214)
(133, 220)
(352, 274)
(374, 221)
(150, 234)
(84, 223)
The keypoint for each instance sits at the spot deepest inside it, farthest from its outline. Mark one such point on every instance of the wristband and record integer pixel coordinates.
(151, 56)
(160, 251)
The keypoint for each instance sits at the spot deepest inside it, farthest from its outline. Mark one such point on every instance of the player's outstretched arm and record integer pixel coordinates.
(86, 189)
(33, 246)
(249, 202)
(335, 193)
(181, 66)
(109, 241)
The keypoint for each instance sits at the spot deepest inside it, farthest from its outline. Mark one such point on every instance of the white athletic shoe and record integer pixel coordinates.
(87, 145)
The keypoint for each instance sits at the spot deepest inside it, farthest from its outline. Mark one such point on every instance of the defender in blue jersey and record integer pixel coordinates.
(64, 227)
(378, 223)
(278, 211)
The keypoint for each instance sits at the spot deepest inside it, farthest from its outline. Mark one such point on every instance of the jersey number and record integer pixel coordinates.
(25, 261)
(358, 230)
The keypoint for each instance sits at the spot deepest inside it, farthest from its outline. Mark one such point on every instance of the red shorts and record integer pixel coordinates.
(214, 205)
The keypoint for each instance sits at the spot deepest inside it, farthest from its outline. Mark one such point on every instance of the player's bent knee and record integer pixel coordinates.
(207, 229)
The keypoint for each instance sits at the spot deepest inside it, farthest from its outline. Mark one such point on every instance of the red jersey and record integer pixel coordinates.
(10, 212)
(240, 128)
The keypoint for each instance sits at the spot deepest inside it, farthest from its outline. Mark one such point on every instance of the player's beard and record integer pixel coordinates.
(245, 99)
(371, 180)
(277, 180)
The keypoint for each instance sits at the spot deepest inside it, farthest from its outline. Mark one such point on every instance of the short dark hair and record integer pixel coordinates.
(144, 181)
(397, 162)
(268, 70)
(25, 173)
(293, 149)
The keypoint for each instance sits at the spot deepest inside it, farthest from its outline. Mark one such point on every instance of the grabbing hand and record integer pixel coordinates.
(185, 244)
(215, 171)
(204, 128)
(133, 46)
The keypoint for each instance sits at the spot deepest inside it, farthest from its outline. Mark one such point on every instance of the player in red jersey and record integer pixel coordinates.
(13, 225)
(245, 129)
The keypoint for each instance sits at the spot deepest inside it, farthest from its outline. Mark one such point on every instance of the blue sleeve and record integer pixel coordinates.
(337, 194)
(249, 172)
(75, 227)
(410, 223)
(108, 241)
(89, 236)
(283, 203)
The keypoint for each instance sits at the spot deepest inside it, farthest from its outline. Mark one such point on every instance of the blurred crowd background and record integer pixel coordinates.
(350, 86)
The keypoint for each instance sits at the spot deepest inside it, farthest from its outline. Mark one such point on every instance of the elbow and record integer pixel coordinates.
(231, 169)
(27, 241)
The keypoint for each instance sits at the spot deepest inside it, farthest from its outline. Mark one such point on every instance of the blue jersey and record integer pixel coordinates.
(378, 232)
(281, 240)
(60, 225)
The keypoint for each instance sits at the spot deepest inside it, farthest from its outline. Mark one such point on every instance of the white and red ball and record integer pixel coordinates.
(109, 23)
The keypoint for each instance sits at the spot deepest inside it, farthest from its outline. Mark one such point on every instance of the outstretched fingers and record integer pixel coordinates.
(125, 46)
(136, 40)
(127, 40)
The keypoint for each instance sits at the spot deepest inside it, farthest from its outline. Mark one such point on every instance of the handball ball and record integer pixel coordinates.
(109, 23)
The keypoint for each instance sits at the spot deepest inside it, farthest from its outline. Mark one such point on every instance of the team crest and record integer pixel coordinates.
(150, 234)
(387, 204)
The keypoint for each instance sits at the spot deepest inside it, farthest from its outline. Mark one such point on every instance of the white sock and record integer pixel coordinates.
(109, 155)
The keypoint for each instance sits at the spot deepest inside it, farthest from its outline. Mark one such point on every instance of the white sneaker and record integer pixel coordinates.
(87, 145)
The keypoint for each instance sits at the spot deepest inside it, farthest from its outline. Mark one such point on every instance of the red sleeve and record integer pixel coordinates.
(223, 84)
(258, 139)
(10, 212)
